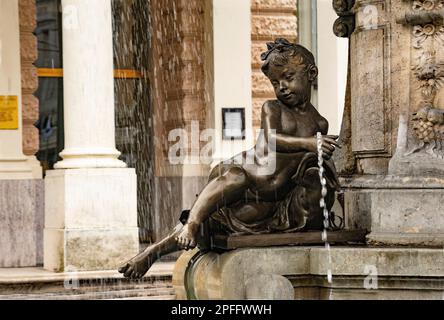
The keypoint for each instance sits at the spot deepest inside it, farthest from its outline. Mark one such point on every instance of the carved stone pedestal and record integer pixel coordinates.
(392, 162)
(397, 211)
(22, 219)
(301, 273)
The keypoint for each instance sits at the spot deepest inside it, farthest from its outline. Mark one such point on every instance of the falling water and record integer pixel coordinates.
(134, 115)
(324, 207)
(149, 38)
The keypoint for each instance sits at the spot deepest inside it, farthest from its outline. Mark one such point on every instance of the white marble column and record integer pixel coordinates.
(91, 197)
(13, 163)
(88, 86)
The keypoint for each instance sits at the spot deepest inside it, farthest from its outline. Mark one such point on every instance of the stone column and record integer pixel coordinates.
(393, 125)
(91, 200)
(88, 86)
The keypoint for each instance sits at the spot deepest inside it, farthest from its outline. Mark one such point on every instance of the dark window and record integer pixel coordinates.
(50, 90)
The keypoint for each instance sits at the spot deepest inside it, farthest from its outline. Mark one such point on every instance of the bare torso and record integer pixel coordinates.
(269, 171)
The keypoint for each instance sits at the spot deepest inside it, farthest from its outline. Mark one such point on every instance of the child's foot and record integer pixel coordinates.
(187, 236)
(138, 266)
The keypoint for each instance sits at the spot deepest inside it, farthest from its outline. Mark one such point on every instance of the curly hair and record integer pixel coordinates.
(281, 51)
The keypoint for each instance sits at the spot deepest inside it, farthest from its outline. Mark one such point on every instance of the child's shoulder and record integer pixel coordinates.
(271, 106)
(322, 122)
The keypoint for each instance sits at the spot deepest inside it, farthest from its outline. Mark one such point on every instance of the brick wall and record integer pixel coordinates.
(178, 68)
(271, 19)
(28, 48)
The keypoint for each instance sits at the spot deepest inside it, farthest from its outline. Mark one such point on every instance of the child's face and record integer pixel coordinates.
(292, 83)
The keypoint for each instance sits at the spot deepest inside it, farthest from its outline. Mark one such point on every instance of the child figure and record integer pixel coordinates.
(245, 197)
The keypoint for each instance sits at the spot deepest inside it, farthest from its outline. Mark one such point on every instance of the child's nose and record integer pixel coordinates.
(283, 85)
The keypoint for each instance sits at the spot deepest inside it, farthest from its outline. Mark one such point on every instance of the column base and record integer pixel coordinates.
(22, 222)
(90, 219)
(90, 162)
(418, 164)
(90, 158)
(17, 169)
(72, 250)
(397, 210)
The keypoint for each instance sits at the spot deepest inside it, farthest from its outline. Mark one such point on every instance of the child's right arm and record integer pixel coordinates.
(271, 124)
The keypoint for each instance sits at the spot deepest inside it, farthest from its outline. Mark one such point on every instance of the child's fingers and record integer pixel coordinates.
(328, 146)
(326, 156)
(332, 142)
(327, 151)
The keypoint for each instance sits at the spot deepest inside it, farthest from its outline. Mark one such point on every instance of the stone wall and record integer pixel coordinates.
(28, 48)
(178, 68)
(271, 19)
(178, 85)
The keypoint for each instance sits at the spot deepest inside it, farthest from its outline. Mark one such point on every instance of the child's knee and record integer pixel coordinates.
(235, 175)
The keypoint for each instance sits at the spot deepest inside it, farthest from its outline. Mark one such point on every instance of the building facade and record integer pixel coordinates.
(94, 95)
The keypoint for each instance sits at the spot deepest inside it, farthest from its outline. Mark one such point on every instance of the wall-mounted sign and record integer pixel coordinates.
(9, 113)
(233, 120)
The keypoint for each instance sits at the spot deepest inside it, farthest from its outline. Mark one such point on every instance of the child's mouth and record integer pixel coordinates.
(287, 96)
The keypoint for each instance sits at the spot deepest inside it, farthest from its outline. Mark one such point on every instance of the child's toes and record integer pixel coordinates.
(129, 272)
(123, 269)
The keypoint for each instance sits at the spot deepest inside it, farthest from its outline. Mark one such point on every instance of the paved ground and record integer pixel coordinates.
(20, 275)
(39, 284)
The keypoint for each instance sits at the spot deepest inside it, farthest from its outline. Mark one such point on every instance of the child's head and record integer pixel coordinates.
(282, 53)
(291, 69)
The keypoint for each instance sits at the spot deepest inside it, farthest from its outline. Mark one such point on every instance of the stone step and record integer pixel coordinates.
(139, 294)
(38, 284)
(81, 286)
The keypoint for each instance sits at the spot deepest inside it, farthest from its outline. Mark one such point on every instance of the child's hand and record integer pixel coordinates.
(329, 145)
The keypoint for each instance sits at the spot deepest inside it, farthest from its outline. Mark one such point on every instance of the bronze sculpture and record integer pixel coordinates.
(239, 197)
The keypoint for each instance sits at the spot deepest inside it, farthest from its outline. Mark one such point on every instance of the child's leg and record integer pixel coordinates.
(138, 266)
(222, 191)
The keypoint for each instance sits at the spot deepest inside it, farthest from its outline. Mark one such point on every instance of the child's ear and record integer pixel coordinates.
(313, 73)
